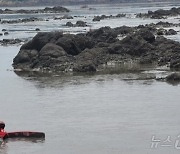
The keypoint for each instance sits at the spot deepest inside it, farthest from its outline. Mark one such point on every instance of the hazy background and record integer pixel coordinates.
(70, 2)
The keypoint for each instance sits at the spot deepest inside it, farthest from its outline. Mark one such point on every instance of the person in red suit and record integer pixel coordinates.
(2, 132)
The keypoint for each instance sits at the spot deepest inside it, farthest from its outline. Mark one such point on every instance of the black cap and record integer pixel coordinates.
(2, 125)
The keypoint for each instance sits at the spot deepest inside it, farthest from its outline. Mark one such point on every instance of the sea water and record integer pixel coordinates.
(88, 114)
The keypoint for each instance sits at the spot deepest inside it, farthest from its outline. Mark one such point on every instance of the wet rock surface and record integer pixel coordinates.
(55, 51)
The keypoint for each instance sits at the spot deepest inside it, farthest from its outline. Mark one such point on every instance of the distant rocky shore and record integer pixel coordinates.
(97, 49)
(55, 9)
(160, 14)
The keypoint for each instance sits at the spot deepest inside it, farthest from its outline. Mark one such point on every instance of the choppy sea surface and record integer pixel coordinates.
(116, 113)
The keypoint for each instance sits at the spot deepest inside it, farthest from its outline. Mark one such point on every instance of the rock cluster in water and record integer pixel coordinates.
(32, 19)
(10, 41)
(77, 24)
(102, 17)
(160, 14)
(90, 52)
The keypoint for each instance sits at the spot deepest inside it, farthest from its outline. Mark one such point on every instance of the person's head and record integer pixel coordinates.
(2, 125)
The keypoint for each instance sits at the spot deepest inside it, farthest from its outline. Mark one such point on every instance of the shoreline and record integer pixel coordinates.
(87, 4)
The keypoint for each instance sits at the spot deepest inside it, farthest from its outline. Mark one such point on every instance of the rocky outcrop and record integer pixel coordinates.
(63, 17)
(55, 51)
(166, 24)
(32, 19)
(102, 17)
(160, 14)
(56, 9)
(77, 24)
(162, 31)
(5, 42)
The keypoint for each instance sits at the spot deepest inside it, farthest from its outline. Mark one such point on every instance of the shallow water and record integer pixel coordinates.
(27, 30)
(88, 114)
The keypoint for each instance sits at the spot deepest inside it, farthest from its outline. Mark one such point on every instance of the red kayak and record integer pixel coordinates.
(20, 134)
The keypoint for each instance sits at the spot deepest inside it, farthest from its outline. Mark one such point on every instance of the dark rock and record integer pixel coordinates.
(55, 51)
(68, 44)
(7, 10)
(85, 67)
(22, 11)
(175, 63)
(102, 17)
(104, 34)
(6, 33)
(56, 9)
(69, 24)
(147, 35)
(1, 34)
(161, 31)
(41, 39)
(80, 24)
(124, 30)
(25, 56)
(160, 14)
(171, 32)
(174, 77)
(120, 15)
(134, 45)
(52, 50)
(3, 30)
(32, 19)
(97, 18)
(64, 17)
(83, 42)
(10, 41)
(37, 29)
(164, 24)
(67, 17)
(92, 9)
